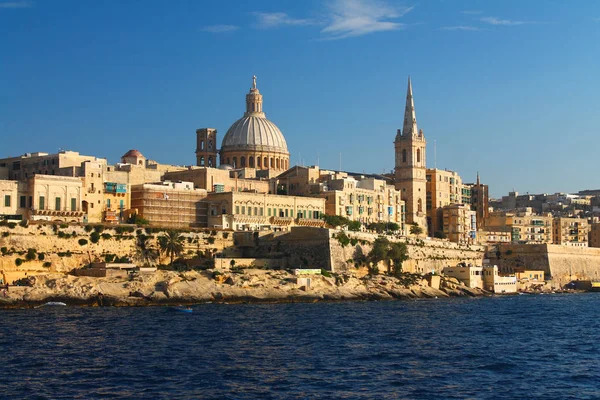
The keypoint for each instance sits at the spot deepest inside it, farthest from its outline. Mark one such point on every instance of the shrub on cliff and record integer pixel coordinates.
(99, 228)
(24, 223)
(225, 235)
(47, 264)
(41, 256)
(31, 254)
(95, 237)
(18, 262)
(11, 225)
(210, 240)
(5, 234)
(89, 228)
(82, 242)
(106, 236)
(4, 251)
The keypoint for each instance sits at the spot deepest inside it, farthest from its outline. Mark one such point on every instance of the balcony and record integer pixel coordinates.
(58, 213)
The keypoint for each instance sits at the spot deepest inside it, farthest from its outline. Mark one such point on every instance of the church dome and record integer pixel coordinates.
(254, 133)
(254, 141)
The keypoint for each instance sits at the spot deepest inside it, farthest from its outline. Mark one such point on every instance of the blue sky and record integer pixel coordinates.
(506, 88)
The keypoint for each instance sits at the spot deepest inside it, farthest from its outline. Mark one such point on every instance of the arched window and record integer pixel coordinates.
(277, 163)
(418, 155)
(202, 145)
(251, 162)
(210, 144)
(266, 163)
(258, 162)
(404, 155)
(419, 205)
(243, 162)
(234, 162)
(202, 161)
(210, 161)
(272, 162)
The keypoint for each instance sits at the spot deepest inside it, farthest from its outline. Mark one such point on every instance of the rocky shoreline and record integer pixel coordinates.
(164, 288)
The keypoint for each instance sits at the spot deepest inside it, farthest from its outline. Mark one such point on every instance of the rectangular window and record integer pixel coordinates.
(7, 200)
(42, 203)
(243, 210)
(255, 210)
(261, 211)
(107, 203)
(287, 212)
(121, 204)
(269, 211)
(237, 209)
(23, 201)
(57, 203)
(73, 204)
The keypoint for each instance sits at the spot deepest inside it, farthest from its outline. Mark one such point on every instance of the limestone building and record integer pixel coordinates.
(169, 204)
(410, 164)
(570, 232)
(444, 187)
(459, 223)
(357, 197)
(594, 235)
(258, 211)
(525, 226)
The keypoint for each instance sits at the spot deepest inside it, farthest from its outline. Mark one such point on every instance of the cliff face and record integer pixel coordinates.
(425, 255)
(60, 248)
(560, 263)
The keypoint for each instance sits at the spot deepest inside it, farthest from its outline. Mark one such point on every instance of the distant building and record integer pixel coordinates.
(443, 188)
(570, 231)
(594, 235)
(525, 226)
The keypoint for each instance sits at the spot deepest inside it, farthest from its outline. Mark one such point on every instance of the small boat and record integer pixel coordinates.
(182, 309)
(53, 304)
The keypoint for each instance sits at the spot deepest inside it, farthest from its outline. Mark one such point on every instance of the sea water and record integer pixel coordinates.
(528, 346)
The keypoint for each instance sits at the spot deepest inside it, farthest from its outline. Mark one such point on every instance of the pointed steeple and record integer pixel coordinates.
(410, 117)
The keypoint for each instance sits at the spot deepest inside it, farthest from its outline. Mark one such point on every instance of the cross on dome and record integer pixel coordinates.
(254, 82)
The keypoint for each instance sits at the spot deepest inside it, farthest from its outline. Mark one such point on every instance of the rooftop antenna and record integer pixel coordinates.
(317, 159)
(434, 155)
(340, 162)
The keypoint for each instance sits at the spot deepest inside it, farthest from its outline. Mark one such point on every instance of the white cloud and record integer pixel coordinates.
(460, 28)
(496, 21)
(360, 17)
(219, 28)
(16, 4)
(276, 19)
(471, 12)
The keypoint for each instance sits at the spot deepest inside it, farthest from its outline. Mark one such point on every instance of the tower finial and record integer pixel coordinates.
(254, 82)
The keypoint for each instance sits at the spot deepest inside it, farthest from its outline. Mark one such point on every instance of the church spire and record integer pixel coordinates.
(410, 117)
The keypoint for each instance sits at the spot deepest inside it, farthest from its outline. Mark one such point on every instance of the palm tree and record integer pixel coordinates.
(144, 250)
(171, 243)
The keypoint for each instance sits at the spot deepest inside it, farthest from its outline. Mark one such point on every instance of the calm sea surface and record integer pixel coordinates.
(545, 346)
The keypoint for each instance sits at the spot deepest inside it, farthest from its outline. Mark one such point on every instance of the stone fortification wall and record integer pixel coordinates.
(425, 255)
(62, 253)
(560, 263)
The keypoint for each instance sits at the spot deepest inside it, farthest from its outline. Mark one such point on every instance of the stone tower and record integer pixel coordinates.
(206, 147)
(411, 165)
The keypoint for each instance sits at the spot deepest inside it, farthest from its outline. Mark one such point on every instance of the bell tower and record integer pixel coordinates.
(206, 147)
(410, 166)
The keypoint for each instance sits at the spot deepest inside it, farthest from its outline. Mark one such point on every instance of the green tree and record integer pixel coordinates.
(335, 220)
(354, 226)
(398, 253)
(144, 251)
(378, 253)
(415, 229)
(171, 244)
